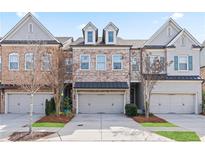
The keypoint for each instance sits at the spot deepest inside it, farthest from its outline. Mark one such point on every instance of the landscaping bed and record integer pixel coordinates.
(179, 135)
(53, 121)
(25, 136)
(152, 121)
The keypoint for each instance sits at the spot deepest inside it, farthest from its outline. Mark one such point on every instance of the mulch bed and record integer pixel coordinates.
(56, 119)
(25, 136)
(152, 118)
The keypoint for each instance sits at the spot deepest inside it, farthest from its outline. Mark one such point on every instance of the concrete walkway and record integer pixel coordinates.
(10, 123)
(103, 127)
(189, 122)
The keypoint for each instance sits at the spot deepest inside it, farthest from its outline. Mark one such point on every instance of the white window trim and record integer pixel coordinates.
(113, 63)
(11, 54)
(28, 53)
(42, 69)
(88, 62)
(66, 61)
(105, 62)
(138, 60)
(187, 60)
(31, 28)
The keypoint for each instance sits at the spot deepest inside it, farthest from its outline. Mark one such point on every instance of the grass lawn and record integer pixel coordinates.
(47, 124)
(158, 124)
(179, 135)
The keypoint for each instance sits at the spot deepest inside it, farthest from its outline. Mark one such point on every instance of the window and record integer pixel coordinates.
(46, 62)
(110, 37)
(183, 63)
(13, 61)
(158, 62)
(68, 65)
(30, 28)
(0, 64)
(29, 61)
(90, 36)
(135, 64)
(100, 62)
(117, 62)
(85, 62)
(169, 31)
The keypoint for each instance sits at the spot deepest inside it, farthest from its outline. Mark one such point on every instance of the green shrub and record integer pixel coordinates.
(50, 106)
(131, 110)
(67, 105)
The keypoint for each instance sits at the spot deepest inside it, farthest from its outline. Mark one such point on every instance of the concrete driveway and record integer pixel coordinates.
(189, 122)
(10, 123)
(103, 127)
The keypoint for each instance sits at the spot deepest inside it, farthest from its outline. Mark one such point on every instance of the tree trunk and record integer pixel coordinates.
(146, 110)
(31, 114)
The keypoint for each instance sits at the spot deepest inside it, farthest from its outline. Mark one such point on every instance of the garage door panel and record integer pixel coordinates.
(172, 103)
(99, 103)
(20, 103)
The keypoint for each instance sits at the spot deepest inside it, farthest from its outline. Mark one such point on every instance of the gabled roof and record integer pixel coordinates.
(184, 31)
(112, 25)
(170, 20)
(22, 21)
(90, 24)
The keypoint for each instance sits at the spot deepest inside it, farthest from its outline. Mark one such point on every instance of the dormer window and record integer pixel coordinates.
(90, 36)
(110, 36)
(30, 28)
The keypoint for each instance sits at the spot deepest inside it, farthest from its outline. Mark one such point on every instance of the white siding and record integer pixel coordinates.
(22, 32)
(162, 38)
(184, 50)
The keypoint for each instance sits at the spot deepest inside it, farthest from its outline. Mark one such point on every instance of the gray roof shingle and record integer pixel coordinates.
(120, 42)
(101, 85)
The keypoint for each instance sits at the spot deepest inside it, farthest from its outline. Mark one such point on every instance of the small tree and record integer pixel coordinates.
(152, 71)
(57, 75)
(31, 79)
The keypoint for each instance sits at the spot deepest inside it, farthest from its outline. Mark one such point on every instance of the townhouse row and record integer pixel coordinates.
(102, 71)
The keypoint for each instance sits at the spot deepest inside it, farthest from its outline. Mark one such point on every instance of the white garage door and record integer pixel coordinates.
(20, 103)
(98, 103)
(169, 103)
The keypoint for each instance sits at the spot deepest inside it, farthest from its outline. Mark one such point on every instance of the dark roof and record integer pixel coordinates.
(101, 85)
(119, 42)
(158, 46)
(175, 77)
(29, 42)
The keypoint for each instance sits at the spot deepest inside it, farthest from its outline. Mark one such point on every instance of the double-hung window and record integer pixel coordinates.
(13, 61)
(100, 62)
(46, 62)
(117, 62)
(183, 63)
(68, 65)
(29, 61)
(135, 64)
(84, 62)
(90, 36)
(110, 36)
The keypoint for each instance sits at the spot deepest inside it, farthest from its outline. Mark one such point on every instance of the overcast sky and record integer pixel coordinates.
(131, 25)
